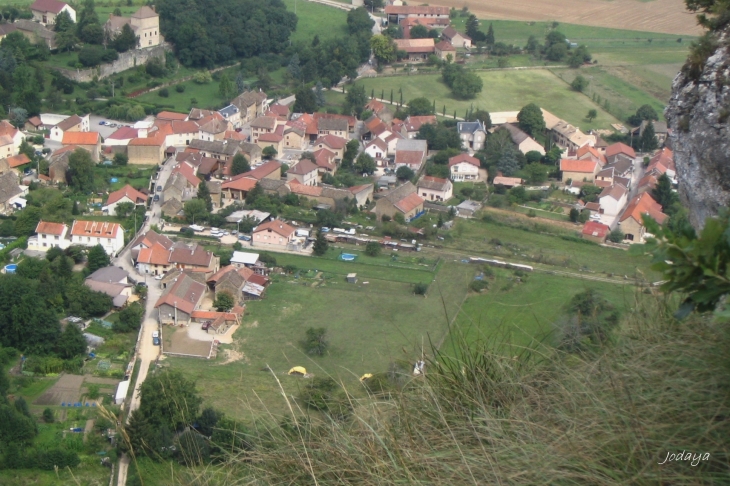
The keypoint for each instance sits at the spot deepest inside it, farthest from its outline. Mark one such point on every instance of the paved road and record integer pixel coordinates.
(146, 351)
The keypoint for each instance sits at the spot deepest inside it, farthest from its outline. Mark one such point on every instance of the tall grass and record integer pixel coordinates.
(608, 416)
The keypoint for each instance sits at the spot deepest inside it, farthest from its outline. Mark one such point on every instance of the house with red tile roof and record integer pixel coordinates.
(10, 139)
(267, 170)
(126, 194)
(595, 231)
(90, 141)
(613, 199)
(180, 299)
(619, 151)
(579, 170)
(295, 135)
(73, 123)
(16, 162)
(147, 240)
(411, 153)
(305, 172)
(435, 188)
(588, 152)
(238, 187)
(404, 200)
(325, 160)
(662, 163)
(91, 233)
(398, 13)
(121, 137)
(332, 143)
(418, 50)
(464, 167)
(456, 38)
(48, 235)
(274, 139)
(149, 150)
(171, 115)
(273, 233)
(631, 221)
(443, 49)
(376, 148)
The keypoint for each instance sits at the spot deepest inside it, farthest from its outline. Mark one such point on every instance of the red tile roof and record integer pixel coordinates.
(593, 228)
(276, 226)
(184, 294)
(298, 188)
(240, 184)
(409, 203)
(128, 191)
(464, 157)
(332, 141)
(171, 115)
(586, 166)
(445, 45)
(80, 138)
(52, 6)
(587, 150)
(46, 228)
(196, 256)
(303, 167)
(620, 148)
(157, 140)
(154, 255)
(644, 204)
(261, 171)
(415, 45)
(415, 10)
(99, 229)
(409, 157)
(18, 160)
(188, 172)
(124, 133)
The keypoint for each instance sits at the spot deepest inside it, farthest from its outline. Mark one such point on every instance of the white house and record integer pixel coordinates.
(49, 235)
(10, 139)
(74, 123)
(91, 233)
(125, 194)
(46, 11)
(613, 199)
(435, 189)
(377, 148)
(244, 259)
(464, 167)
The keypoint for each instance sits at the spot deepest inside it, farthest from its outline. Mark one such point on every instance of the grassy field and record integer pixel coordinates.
(523, 313)
(503, 91)
(368, 325)
(205, 95)
(312, 17)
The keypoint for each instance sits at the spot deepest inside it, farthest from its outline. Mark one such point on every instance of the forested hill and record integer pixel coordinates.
(209, 32)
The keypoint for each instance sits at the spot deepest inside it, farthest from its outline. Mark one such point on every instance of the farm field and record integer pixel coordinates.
(368, 325)
(312, 17)
(503, 91)
(664, 16)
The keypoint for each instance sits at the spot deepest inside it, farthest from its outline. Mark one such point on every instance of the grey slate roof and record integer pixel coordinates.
(109, 274)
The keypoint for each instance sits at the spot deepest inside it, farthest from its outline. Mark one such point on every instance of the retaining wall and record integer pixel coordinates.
(127, 60)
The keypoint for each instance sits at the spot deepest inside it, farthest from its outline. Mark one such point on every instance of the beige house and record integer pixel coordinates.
(524, 142)
(275, 232)
(435, 189)
(579, 170)
(332, 143)
(146, 151)
(332, 126)
(443, 49)
(251, 104)
(145, 24)
(274, 139)
(306, 172)
(180, 299)
(404, 200)
(631, 222)
(46, 11)
(262, 125)
(418, 50)
(570, 137)
(295, 136)
(457, 39)
(90, 141)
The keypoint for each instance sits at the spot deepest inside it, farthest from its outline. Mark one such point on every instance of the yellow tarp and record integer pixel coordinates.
(366, 376)
(298, 370)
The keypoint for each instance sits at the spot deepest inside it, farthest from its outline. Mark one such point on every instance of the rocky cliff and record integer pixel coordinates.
(699, 117)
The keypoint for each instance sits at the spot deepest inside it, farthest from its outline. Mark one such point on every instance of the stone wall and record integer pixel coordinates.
(127, 60)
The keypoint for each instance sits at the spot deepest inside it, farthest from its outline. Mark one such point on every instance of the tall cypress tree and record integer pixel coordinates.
(204, 195)
(490, 36)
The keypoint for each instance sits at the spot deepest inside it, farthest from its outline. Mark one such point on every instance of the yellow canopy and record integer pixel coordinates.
(298, 370)
(366, 376)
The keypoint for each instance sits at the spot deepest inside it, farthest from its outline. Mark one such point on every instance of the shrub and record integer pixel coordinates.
(180, 88)
(420, 288)
(315, 341)
(48, 416)
(479, 285)
(164, 93)
(373, 249)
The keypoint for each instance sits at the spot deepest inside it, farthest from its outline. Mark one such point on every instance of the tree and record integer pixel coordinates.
(168, 399)
(489, 39)
(81, 171)
(226, 88)
(87, 16)
(508, 164)
(616, 236)
(536, 172)
(358, 20)
(239, 165)
(579, 84)
(420, 107)
(306, 101)
(48, 416)
(467, 85)
(590, 317)
(404, 173)
(648, 141)
(204, 195)
(364, 164)
(63, 23)
(130, 318)
(195, 210)
(269, 152)
(472, 29)
(374, 4)
(315, 341)
(120, 159)
(373, 249)
(124, 209)
(530, 120)
(573, 215)
(557, 52)
(645, 112)
(71, 343)
(320, 246)
(125, 40)
(355, 100)
(592, 114)
(663, 193)
(294, 70)
(419, 31)
(319, 94)
(223, 302)
(98, 258)
(66, 40)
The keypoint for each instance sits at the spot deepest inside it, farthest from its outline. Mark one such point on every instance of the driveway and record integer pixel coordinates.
(105, 130)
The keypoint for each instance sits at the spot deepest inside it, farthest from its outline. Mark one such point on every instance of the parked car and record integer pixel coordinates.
(324, 229)
(244, 238)
(159, 188)
(102, 122)
(156, 341)
(156, 198)
(158, 277)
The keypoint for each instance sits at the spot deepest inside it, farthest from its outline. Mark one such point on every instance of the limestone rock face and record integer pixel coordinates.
(698, 115)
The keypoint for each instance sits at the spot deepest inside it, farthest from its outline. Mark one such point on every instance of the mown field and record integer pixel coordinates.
(503, 91)
(313, 17)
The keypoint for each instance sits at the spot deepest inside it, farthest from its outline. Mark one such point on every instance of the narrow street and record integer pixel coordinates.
(147, 353)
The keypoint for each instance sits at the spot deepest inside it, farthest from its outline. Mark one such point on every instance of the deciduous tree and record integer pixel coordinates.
(530, 119)
(98, 258)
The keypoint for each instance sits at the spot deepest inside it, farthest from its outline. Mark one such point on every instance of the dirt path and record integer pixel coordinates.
(667, 16)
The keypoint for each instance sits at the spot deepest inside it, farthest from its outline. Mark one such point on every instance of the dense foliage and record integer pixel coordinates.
(205, 33)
